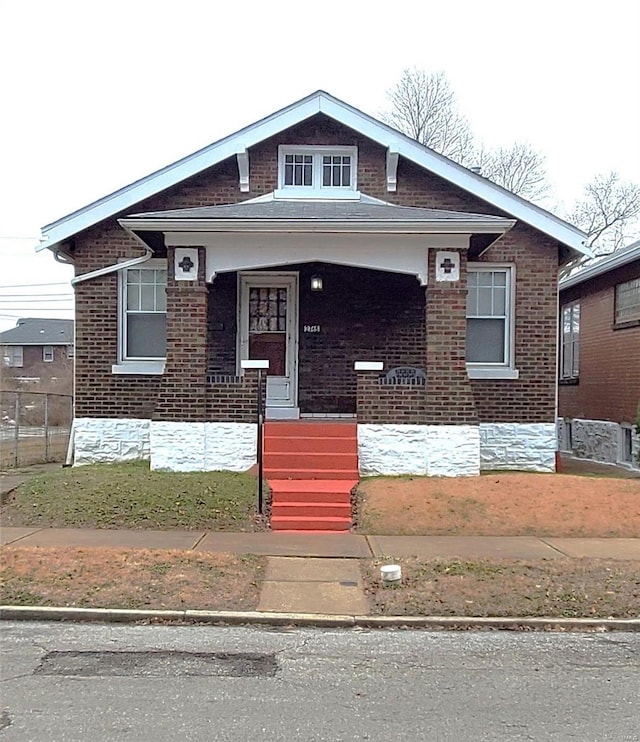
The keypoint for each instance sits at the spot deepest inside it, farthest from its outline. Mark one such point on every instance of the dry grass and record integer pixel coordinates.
(504, 504)
(123, 578)
(585, 588)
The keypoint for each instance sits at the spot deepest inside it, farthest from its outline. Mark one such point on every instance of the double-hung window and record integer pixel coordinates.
(627, 302)
(317, 172)
(490, 321)
(47, 353)
(570, 341)
(13, 356)
(143, 318)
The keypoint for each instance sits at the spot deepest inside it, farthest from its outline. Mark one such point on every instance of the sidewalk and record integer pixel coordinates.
(332, 545)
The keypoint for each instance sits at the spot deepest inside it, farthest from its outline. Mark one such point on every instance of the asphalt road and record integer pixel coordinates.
(90, 682)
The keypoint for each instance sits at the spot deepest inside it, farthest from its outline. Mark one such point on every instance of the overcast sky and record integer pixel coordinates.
(97, 95)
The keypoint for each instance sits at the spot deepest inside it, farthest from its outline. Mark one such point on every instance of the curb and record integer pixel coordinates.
(318, 620)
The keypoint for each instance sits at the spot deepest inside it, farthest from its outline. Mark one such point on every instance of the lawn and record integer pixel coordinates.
(565, 588)
(124, 578)
(500, 504)
(132, 496)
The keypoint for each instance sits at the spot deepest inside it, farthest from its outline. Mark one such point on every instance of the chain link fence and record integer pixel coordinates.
(34, 427)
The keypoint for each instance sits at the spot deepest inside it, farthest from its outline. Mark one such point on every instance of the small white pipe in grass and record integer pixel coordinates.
(391, 573)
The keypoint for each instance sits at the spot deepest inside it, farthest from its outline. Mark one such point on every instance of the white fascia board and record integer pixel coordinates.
(319, 102)
(617, 259)
(307, 226)
(159, 181)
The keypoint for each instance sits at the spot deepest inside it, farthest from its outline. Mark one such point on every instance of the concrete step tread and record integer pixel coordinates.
(317, 485)
(314, 518)
(309, 474)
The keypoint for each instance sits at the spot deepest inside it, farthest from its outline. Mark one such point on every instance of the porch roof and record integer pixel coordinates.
(363, 215)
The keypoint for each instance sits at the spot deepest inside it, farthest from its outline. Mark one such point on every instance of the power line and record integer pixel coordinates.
(29, 285)
(38, 295)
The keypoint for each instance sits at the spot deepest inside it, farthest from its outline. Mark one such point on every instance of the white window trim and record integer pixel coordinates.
(571, 376)
(317, 190)
(44, 353)
(151, 366)
(508, 369)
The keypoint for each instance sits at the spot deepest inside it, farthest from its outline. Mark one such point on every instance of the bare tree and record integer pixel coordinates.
(423, 106)
(519, 168)
(609, 212)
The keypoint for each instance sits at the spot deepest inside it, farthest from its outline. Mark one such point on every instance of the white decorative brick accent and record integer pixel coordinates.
(101, 440)
(177, 446)
(434, 450)
(518, 446)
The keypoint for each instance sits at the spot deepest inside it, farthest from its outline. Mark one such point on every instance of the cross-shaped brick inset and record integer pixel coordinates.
(447, 266)
(186, 264)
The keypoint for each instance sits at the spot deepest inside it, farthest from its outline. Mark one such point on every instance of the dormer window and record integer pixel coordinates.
(317, 172)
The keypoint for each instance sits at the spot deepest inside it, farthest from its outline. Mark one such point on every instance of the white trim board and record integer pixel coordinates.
(318, 102)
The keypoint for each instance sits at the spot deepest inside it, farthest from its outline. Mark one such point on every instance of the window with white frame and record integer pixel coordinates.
(143, 313)
(13, 356)
(317, 170)
(628, 301)
(490, 316)
(570, 341)
(47, 353)
(70, 351)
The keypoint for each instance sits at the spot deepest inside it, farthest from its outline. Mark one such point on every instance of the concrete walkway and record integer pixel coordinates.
(331, 545)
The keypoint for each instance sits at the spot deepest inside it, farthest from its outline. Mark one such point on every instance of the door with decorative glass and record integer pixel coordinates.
(268, 331)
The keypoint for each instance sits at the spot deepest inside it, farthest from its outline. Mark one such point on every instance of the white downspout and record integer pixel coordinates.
(113, 268)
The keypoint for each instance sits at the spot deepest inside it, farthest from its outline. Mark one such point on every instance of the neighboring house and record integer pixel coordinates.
(384, 283)
(37, 354)
(599, 394)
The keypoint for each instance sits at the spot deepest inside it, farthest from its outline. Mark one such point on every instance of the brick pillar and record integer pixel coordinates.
(450, 398)
(182, 394)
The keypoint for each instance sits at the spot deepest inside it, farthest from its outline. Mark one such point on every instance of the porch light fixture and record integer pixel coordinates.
(316, 283)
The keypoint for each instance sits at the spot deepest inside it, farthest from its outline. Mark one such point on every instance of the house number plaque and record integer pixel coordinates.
(310, 328)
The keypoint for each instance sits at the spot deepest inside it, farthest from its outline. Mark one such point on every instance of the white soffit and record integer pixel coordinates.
(318, 102)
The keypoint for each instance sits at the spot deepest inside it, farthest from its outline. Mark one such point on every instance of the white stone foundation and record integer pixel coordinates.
(177, 446)
(518, 446)
(597, 440)
(104, 440)
(431, 450)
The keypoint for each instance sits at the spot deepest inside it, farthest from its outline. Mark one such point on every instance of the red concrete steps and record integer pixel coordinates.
(311, 468)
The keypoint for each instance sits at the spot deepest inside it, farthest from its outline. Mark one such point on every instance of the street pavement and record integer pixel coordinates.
(75, 682)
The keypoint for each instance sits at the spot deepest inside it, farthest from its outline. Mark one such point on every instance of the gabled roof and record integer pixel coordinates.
(34, 331)
(617, 259)
(318, 102)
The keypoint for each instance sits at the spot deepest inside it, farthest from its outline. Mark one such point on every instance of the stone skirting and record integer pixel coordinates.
(425, 450)
(106, 440)
(597, 440)
(518, 446)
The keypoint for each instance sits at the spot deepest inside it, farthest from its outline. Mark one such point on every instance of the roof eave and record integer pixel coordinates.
(380, 226)
(319, 102)
(615, 260)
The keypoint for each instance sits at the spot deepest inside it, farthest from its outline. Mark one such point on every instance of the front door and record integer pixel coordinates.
(268, 330)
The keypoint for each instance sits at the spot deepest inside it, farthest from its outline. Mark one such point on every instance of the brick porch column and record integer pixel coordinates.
(450, 398)
(182, 394)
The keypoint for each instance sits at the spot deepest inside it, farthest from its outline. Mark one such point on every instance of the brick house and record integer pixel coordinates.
(38, 354)
(388, 287)
(599, 375)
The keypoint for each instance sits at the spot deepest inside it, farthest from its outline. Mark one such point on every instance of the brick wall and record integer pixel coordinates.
(46, 376)
(182, 394)
(233, 398)
(609, 379)
(386, 404)
(393, 298)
